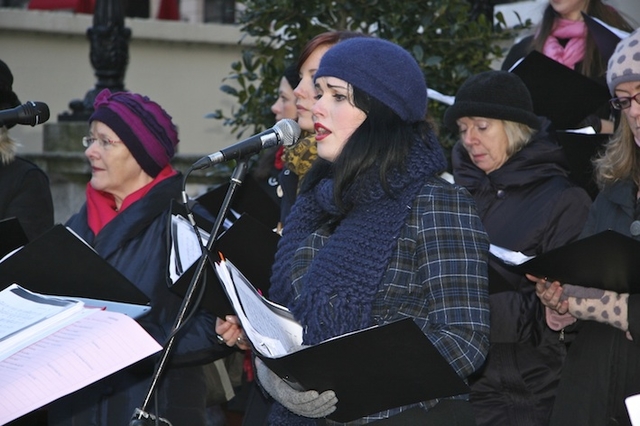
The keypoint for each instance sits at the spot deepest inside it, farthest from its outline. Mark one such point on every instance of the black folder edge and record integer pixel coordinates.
(372, 370)
(606, 260)
(248, 243)
(559, 93)
(498, 283)
(249, 198)
(12, 236)
(606, 40)
(59, 263)
(580, 150)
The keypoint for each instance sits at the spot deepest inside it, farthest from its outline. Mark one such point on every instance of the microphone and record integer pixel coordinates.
(30, 113)
(285, 132)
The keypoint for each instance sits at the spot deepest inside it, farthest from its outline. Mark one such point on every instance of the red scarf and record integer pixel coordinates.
(278, 162)
(101, 206)
(573, 51)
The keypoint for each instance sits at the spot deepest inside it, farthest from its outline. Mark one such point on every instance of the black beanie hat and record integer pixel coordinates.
(8, 98)
(292, 76)
(493, 94)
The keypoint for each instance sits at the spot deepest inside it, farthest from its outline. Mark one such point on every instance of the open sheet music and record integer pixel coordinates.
(51, 347)
(270, 327)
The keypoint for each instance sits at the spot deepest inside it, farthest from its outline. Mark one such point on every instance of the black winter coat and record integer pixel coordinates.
(135, 242)
(527, 205)
(26, 195)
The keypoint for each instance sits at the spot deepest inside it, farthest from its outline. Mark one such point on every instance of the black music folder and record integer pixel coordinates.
(248, 243)
(605, 37)
(498, 282)
(580, 150)
(60, 263)
(607, 260)
(12, 236)
(372, 370)
(559, 93)
(249, 198)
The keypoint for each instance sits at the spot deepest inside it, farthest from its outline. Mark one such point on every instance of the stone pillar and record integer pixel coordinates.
(109, 55)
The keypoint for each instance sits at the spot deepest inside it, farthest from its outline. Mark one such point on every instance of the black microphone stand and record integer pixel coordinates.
(140, 416)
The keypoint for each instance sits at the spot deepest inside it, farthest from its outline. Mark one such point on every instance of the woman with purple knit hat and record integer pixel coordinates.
(125, 218)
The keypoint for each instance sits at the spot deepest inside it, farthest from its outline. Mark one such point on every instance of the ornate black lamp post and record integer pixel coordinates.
(109, 54)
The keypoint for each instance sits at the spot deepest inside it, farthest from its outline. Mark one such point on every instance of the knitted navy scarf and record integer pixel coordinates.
(341, 281)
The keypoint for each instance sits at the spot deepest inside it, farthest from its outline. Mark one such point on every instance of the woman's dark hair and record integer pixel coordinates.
(592, 65)
(382, 141)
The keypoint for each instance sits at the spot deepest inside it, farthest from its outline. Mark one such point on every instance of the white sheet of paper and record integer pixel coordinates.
(26, 317)
(185, 247)
(633, 408)
(270, 327)
(91, 348)
(509, 256)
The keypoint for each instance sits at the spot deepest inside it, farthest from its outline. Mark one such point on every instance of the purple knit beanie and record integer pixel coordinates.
(381, 69)
(143, 126)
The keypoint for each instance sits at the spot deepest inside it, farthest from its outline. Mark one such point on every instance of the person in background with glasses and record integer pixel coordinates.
(125, 219)
(602, 367)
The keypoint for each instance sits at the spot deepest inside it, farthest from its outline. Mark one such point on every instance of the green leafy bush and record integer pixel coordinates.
(445, 37)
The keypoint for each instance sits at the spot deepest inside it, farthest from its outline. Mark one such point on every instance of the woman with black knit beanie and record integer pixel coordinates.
(376, 236)
(518, 178)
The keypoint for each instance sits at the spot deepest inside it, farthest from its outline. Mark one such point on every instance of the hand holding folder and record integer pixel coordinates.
(369, 370)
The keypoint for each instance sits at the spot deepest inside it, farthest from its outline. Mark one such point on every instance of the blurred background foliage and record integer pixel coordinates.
(450, 39)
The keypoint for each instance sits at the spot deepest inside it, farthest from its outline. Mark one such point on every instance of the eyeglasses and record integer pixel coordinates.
(87, 141)
(624, 102)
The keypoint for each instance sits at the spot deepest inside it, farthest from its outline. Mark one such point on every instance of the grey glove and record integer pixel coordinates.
(303, 403)
(598, 305)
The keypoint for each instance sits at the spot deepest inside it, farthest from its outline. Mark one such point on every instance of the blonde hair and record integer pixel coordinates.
(518, 135)
(620, 159)
(8, 146)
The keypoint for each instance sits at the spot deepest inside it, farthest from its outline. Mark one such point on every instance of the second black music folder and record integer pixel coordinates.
(250, 198)
(607, 260)
(250, 245)
(580, 150)
(59, 263)
(559, 93)
(12, 236)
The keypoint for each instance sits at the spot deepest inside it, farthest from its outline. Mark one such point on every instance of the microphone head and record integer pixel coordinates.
(33, 113)
(43, 112)
(288, 130)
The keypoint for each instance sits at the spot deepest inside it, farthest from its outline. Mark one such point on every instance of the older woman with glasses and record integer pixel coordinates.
(125, 219)
(603, 364)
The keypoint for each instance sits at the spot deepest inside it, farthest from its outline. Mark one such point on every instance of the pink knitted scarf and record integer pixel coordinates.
(573, 52)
